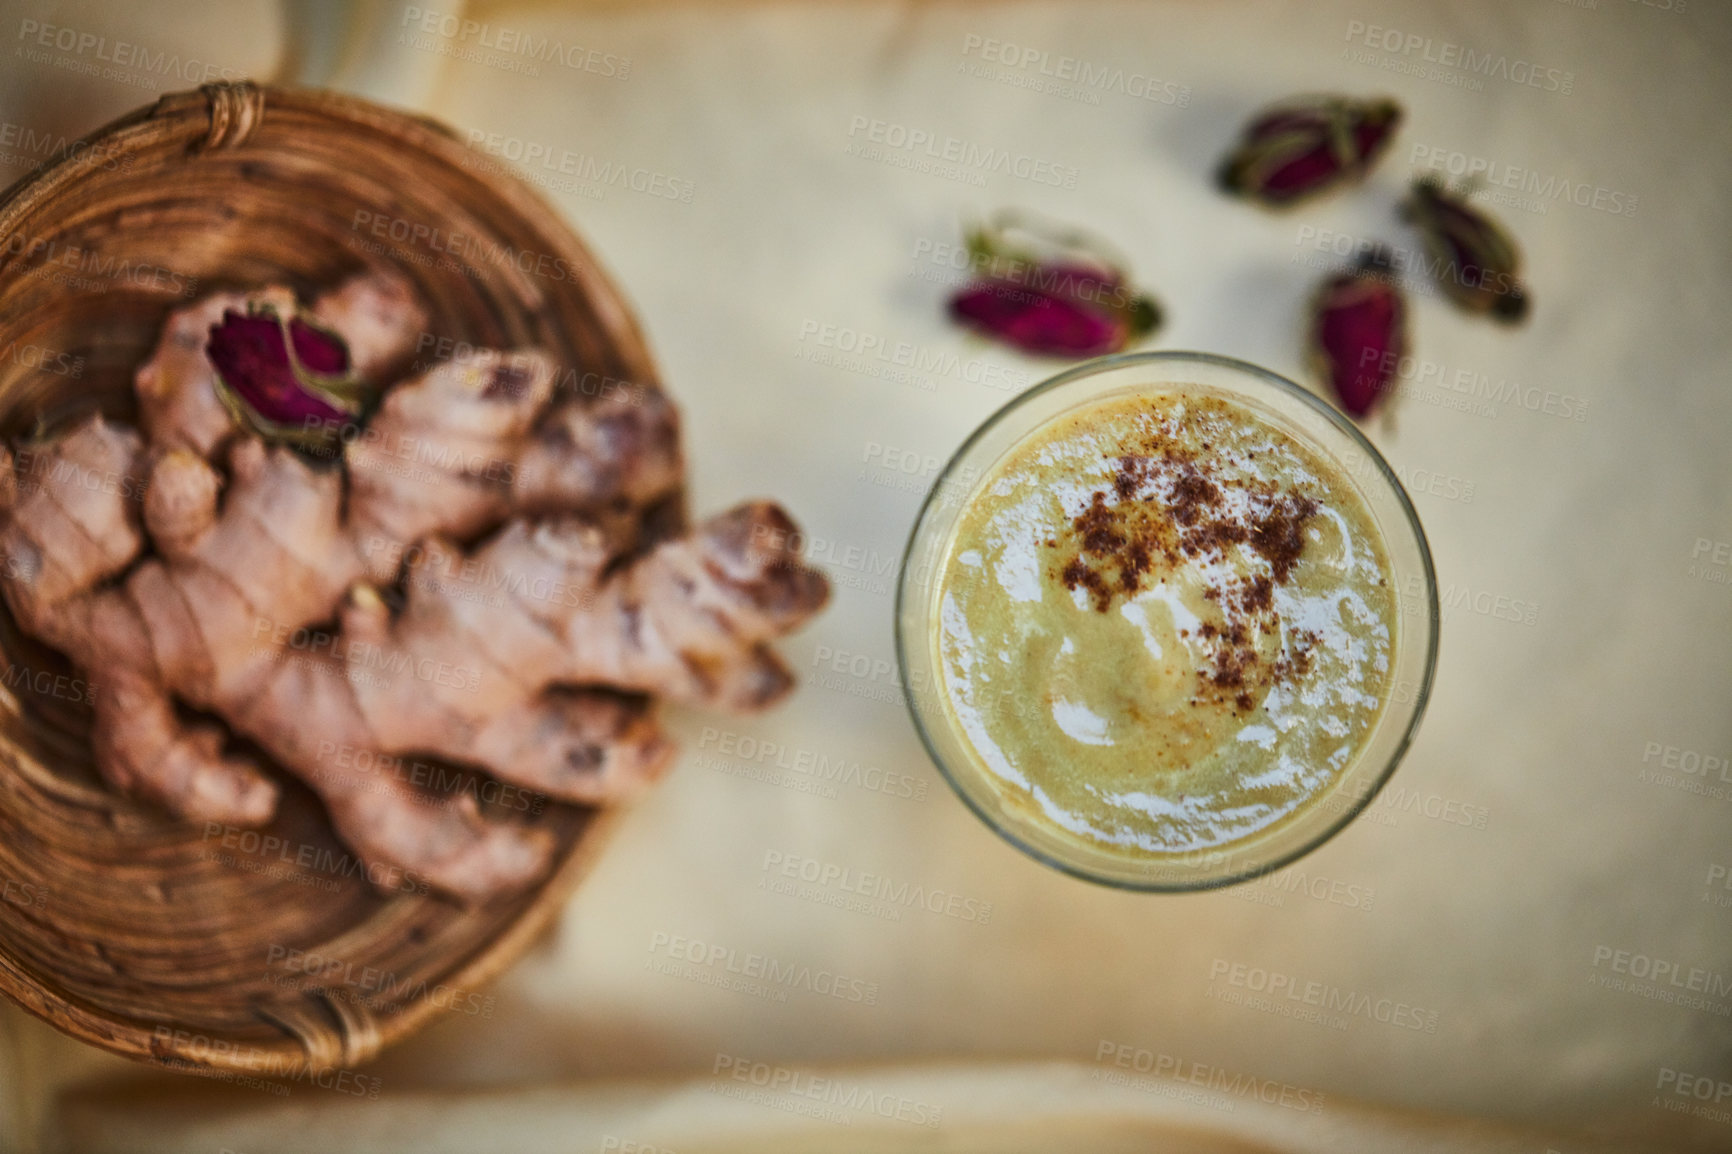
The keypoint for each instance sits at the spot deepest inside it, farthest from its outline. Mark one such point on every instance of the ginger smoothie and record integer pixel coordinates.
(1164, 625)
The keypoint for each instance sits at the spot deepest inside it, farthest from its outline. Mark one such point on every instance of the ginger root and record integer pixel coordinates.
(536, 627)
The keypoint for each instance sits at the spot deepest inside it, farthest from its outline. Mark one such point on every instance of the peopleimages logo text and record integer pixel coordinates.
(1275, 984)
(1088, 76)
(766, 969)
(1544, 188)
(512, 42)
(585, 168)
(830, 1091)
(878, 887)
(963, 153)
(37, 36)
(1448, 54)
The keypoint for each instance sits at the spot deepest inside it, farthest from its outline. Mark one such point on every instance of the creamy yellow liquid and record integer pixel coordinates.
(1165, 624)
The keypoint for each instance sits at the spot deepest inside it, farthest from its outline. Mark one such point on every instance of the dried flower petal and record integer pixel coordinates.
(318, 350)
(288, 381)
(1301, 147)
(1359, 332)
(1474, 261)
(1069, 300)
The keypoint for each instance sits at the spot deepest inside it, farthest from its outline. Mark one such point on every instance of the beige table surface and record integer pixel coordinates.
(1574, 472)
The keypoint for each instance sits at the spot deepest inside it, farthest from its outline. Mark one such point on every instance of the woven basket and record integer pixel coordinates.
(119, 925)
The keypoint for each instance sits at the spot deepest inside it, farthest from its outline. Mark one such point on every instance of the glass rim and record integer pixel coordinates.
(1357, 805)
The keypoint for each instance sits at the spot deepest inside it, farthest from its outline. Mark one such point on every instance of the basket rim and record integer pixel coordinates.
(200, 117)
(189, 116)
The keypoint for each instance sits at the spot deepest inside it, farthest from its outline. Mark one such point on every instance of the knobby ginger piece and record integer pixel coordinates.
(473, 439)
(533, 654)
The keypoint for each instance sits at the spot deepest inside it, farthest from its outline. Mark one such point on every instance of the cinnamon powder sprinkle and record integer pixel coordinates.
(1167, 504)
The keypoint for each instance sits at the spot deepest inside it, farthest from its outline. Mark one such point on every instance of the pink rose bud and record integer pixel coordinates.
(1359, 332)
(288, 381)
(1296, 149)
(318, 350)
(1066, 301)
(1474, 260)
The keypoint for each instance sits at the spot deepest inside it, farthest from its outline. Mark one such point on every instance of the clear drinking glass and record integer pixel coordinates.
(1296, 412)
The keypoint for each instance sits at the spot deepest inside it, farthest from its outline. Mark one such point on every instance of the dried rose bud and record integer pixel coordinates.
(1069, 300)
(1301, 147)
(287, 380)
(1475, 261)
(1359, 332)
